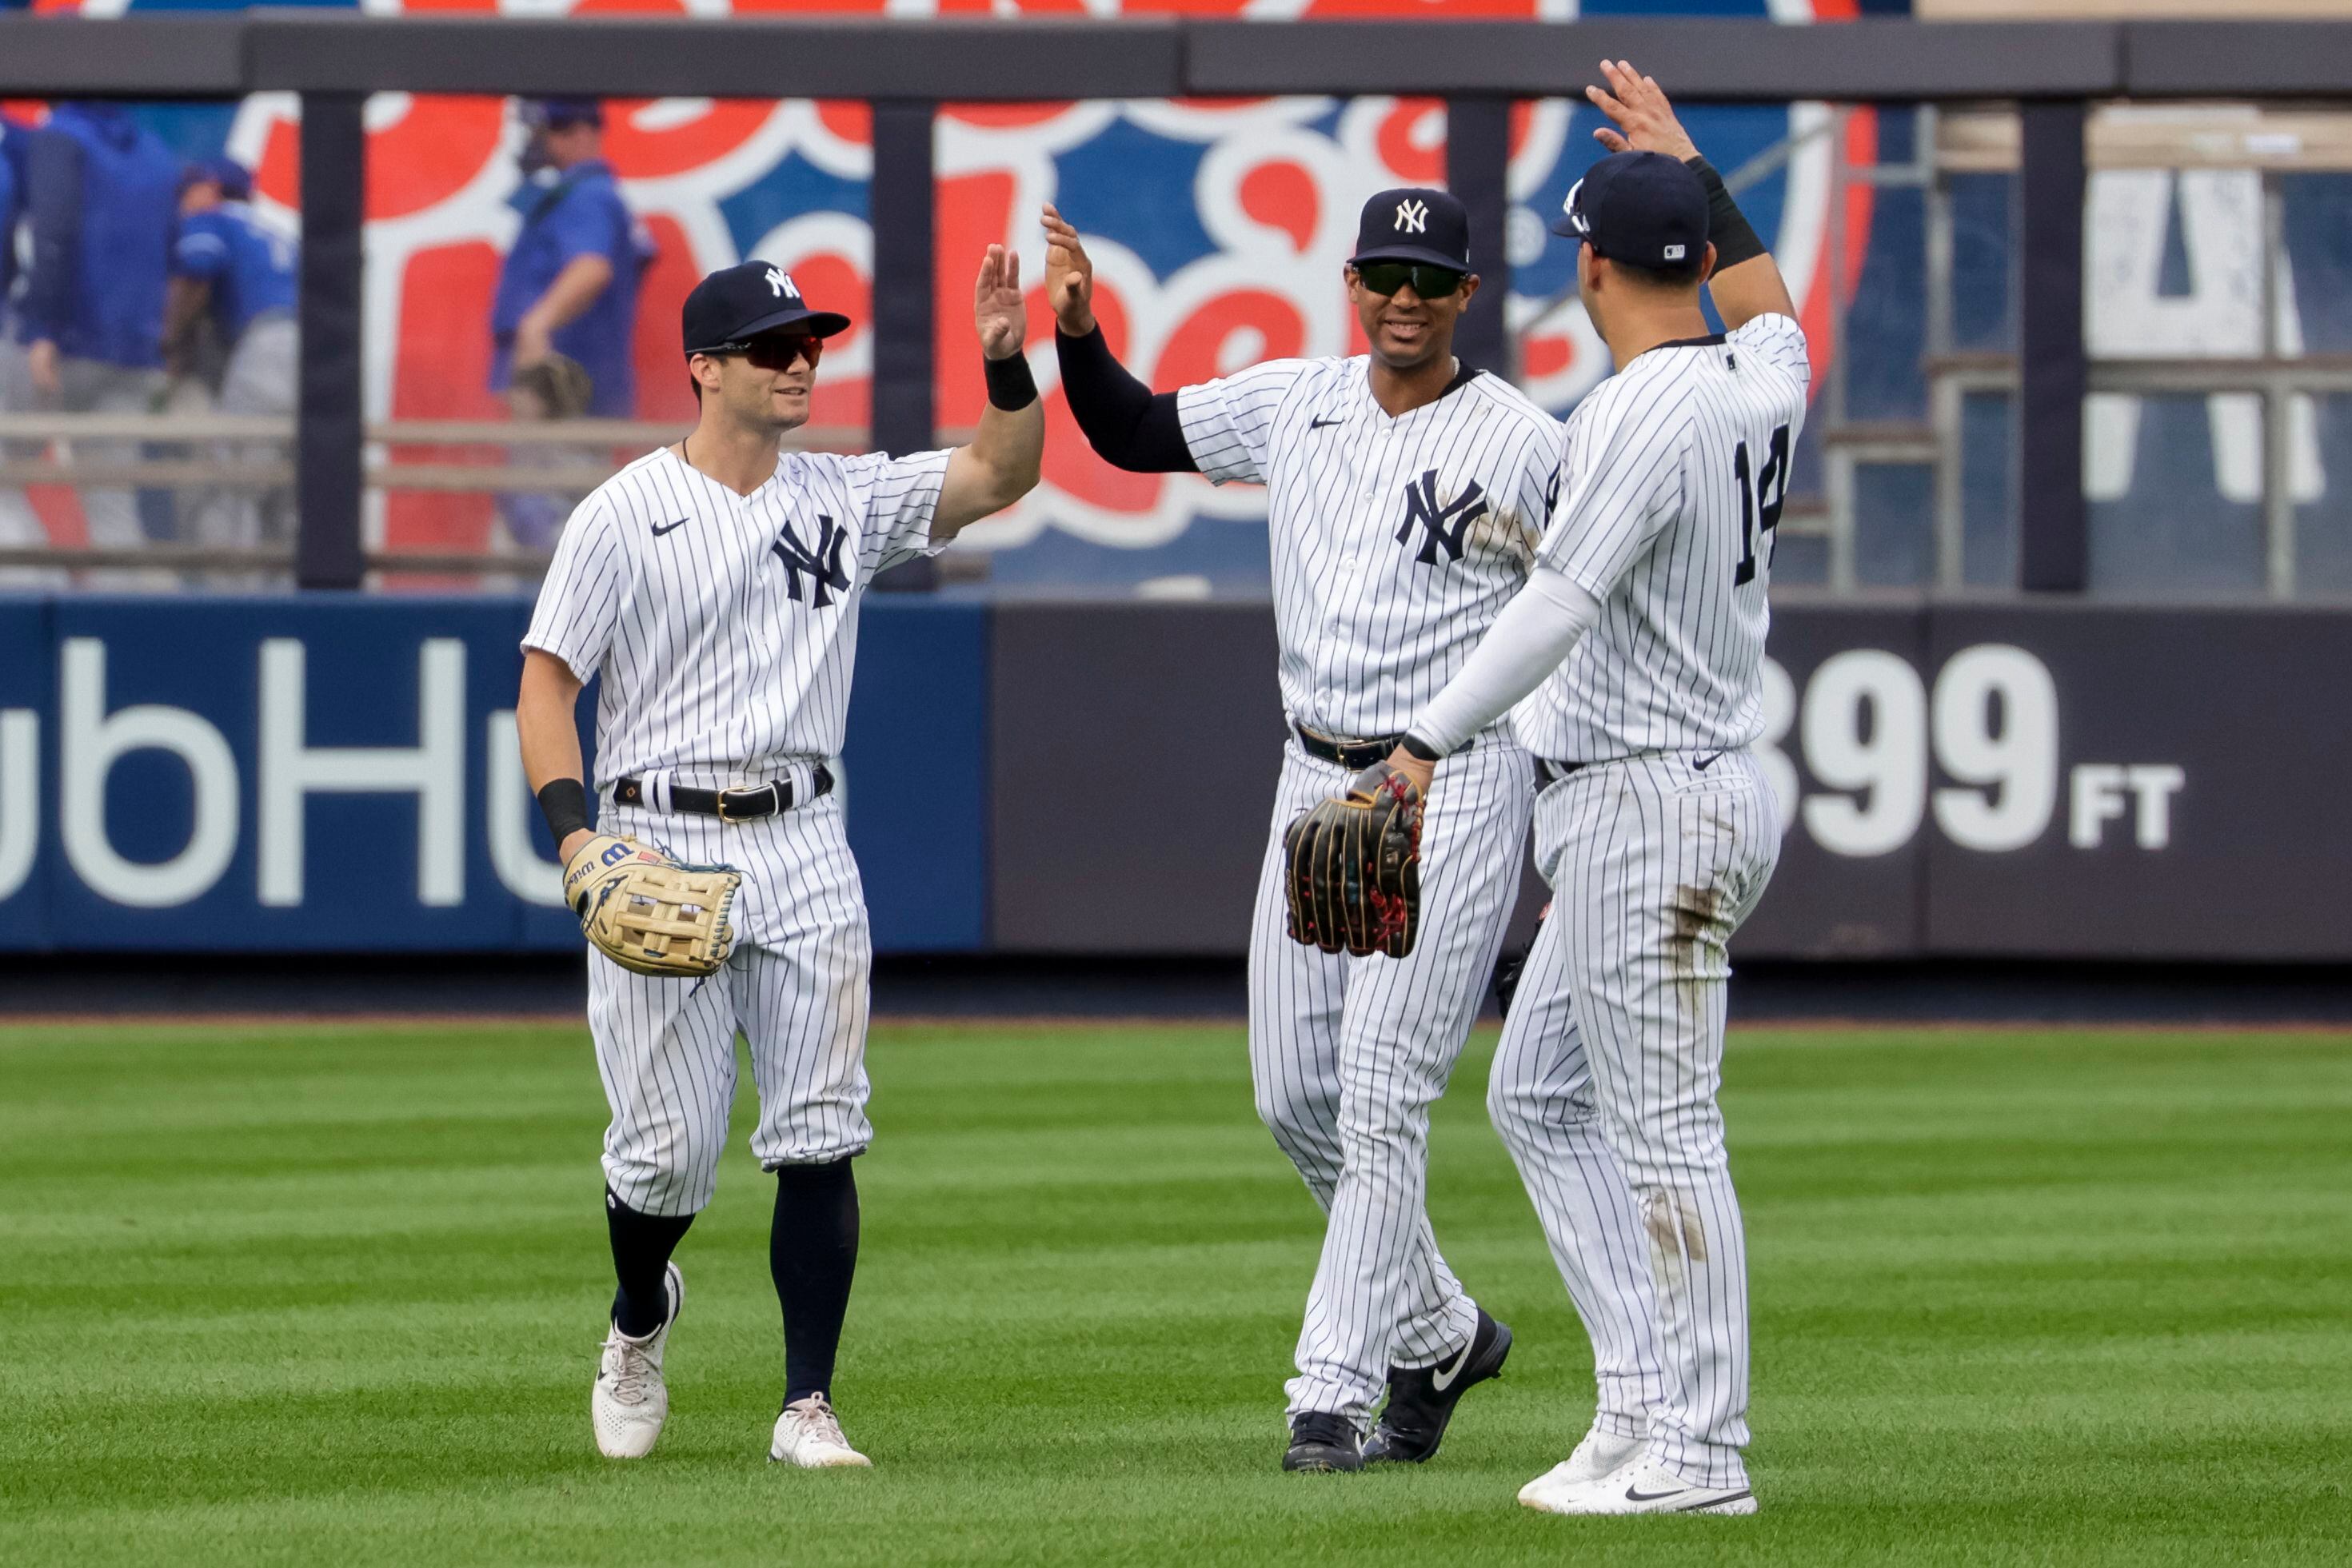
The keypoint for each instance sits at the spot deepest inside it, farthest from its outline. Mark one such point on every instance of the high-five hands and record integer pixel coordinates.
(996, 307)
(1646, 120)
(1069, 276)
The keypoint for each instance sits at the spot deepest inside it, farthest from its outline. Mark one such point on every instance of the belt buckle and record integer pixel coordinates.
(739, 789)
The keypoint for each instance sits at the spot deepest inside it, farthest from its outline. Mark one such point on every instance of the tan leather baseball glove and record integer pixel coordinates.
(648, 912)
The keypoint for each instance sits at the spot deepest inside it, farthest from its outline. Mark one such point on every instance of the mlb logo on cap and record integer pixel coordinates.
(1643, 208)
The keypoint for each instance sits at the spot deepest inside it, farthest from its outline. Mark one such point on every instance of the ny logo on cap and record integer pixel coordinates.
(1413, 217)
(781, 284)
(1576, 218)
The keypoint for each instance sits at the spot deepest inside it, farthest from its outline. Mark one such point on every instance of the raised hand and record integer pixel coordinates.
(1069, 276)
(996, 304)
(1645, 120)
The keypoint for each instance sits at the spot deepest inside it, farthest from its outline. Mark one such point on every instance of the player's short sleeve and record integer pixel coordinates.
(1229, 422)
(200, 251)
(579, 602)
(1621, 480)
(1537, 481)
(589, 221)
(902, 495)
(1776, 344)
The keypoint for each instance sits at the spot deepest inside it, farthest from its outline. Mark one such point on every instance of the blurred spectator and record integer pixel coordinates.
(234, 271)
(101, 194)
(19, 524)
(570, 284)
(553, 388)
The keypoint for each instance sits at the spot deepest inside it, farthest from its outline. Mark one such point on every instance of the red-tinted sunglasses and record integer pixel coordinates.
(777, 351)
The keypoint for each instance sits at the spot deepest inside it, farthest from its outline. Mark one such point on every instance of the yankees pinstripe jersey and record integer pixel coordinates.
(1395, 541)
(1676, 471)
(726, 625)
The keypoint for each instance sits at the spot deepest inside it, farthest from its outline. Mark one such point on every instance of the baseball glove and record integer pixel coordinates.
(1353, 868)
(560, 383)
(646, 912)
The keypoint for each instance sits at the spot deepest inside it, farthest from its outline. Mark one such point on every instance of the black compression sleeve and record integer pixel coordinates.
(1128, 425)
(1734, 239)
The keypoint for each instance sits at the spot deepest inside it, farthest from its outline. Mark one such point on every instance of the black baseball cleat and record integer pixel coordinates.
(1322, 1441)
(1422, 1399)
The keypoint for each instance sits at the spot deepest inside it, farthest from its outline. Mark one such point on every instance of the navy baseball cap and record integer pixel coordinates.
(555, 113)
(1413, 223)
(736, 303)
(235, 179)
(1643, 208)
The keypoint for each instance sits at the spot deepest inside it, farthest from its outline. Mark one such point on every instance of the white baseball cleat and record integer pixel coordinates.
(630, 1401)
(1600, 1454)
(1643, 1487)
(808, 1434)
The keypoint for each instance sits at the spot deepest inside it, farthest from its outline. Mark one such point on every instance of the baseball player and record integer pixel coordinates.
(715, 586)
(1638, 646)
(1405, 493)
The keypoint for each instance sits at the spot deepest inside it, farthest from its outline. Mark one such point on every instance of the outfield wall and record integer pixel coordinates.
(1959, 778)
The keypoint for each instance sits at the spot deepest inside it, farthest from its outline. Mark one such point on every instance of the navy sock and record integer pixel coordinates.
(642, 1244)
(813, 1256)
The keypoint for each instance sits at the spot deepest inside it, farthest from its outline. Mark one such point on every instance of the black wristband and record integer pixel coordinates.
(1414, 747)
(1734, 237)
(1011, 386)
(564, 803)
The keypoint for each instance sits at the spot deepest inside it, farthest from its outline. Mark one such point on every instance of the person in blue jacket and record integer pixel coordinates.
(230, 265)
(102, 196)
(569, 286)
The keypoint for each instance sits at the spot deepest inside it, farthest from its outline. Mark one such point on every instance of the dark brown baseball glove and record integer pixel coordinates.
(1353, 868)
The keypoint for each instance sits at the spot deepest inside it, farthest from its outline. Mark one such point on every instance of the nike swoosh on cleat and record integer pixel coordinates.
(1444, 1378)
(659, 530)
(1319, 424)
(1633, 1496)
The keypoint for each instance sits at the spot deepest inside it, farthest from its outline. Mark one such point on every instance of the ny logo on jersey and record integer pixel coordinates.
(780, 284)
(1413, 217)
(1443, 524)
(823, 566)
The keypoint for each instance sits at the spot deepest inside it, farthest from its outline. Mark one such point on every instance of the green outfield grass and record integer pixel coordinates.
(331, 1295)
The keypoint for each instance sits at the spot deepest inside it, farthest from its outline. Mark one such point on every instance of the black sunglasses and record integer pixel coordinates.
(775, 350)
(1429, 282)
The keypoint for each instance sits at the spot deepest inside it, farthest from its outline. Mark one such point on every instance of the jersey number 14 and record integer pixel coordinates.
(1761, 496)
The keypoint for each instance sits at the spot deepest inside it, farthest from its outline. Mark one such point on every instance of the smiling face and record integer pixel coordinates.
(765, 389)
(1405, 331)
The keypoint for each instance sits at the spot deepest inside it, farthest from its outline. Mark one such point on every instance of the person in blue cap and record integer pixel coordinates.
(569, 286)
(228, 264)
(102, 196)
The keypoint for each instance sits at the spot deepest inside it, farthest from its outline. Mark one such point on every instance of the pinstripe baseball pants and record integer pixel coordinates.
(1348, 1054)
(796, 986)
(1604, 1086)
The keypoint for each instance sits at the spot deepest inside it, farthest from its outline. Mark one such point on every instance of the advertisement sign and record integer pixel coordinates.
(341, 774)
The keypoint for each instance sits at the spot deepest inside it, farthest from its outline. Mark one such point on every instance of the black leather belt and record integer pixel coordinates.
(770, 799)
(1353, 755)
(1548, 773)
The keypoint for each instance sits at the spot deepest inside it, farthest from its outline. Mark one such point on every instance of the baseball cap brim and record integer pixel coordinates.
(1565, 227)
(815, 323)
(1419, 253)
